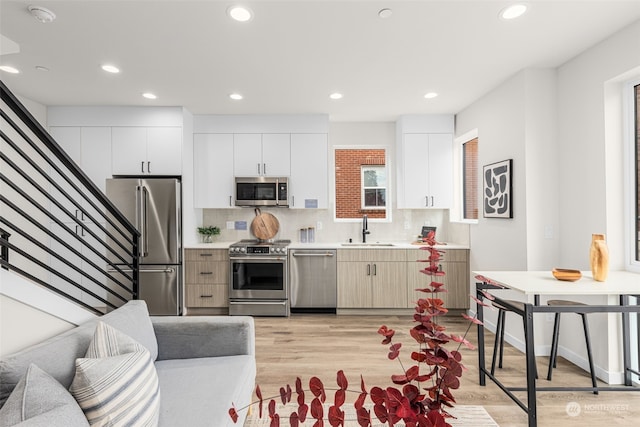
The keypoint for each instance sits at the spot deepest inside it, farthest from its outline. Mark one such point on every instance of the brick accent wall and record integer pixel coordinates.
(348, 185)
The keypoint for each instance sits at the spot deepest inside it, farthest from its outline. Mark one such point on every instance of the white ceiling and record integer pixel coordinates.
(293, 54)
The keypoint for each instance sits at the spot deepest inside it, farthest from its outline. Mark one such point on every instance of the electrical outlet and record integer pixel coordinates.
(319, 225)
(549, 317)
(407, 225)
(231, 225)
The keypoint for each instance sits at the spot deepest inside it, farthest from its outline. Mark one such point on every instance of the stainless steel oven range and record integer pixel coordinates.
(258, 278)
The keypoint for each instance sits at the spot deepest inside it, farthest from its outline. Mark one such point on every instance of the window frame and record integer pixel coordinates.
(457, 210)
(631, 182)
(363, 187)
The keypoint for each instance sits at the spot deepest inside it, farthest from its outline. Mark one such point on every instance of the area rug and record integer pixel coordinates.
(466, 415)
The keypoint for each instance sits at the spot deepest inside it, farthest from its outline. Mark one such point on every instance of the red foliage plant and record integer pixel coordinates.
(426, 386)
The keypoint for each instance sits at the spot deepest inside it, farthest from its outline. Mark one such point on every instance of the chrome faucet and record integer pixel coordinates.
(365, 229)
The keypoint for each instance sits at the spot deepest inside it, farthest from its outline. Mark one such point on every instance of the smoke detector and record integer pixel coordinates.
(42, 14)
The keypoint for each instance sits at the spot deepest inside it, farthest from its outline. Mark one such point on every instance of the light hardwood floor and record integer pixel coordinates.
(320, 345)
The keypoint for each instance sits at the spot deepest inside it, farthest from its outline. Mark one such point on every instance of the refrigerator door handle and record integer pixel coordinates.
(144, 225)
(150, 270)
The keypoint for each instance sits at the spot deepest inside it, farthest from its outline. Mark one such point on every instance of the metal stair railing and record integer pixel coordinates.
(57, 228)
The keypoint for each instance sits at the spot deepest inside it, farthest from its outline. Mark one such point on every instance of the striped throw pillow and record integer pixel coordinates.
(116, 384)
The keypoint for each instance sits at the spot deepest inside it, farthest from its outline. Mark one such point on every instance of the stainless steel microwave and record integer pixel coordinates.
(262, 191)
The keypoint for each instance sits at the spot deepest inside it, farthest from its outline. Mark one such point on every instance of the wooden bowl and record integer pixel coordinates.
(566, 274)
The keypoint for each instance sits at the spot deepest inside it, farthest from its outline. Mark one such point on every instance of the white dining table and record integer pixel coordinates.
(621, 284)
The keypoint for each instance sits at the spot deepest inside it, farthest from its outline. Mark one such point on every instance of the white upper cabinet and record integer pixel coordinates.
(247, 154)
(261, 154)
(213, 170)
(147, 150)
(308, 186)
(88, 147)
(276, 154)
(425, 161)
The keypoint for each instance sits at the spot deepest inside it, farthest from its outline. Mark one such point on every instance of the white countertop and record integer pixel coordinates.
(543, 283)
(331, 245)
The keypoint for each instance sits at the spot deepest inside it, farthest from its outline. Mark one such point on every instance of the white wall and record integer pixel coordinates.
(591, 173)
(562, 127)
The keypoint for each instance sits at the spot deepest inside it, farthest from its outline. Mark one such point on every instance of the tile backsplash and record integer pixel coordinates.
(405, 225)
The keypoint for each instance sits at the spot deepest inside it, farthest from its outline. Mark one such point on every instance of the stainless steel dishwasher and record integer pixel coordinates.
(313, 280)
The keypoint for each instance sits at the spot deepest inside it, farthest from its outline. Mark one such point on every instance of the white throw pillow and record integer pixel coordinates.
(116, 384)
(40, 400)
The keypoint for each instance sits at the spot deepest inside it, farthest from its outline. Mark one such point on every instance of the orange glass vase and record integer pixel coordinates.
(599, 257)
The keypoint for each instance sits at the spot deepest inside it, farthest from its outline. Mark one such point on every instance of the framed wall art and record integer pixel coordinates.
(497, 190)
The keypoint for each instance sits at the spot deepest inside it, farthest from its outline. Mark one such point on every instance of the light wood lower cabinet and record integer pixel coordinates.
(206, 278)
(372, 278)
(455, 264)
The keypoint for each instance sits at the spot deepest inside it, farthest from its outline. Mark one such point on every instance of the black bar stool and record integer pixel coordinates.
(556, 331)
(499, 342)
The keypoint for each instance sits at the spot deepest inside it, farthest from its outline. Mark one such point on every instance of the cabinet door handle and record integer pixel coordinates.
(375, 270)
(229, 200)
(204, 273)
(264, 169)
(293, 200)
(142, 167)
(149, 167)
(206, 254)
(206, 296)
(368, 269)
(426, 201)
(432, 204)
(258, 168)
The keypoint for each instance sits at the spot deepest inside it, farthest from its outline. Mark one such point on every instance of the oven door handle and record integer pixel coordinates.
(258, 259)
(258, 302)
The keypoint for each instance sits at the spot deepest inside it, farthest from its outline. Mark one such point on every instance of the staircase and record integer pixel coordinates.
(57, 229)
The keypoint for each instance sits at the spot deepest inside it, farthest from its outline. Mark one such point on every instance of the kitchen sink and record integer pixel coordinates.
(368, 244)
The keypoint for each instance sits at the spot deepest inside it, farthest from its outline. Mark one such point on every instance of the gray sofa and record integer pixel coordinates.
(204, 364)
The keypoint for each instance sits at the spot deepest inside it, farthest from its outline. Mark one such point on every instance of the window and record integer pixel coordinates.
(470, 179)
(632, 167)
(362, 181)
(374, 187)
(636, 145)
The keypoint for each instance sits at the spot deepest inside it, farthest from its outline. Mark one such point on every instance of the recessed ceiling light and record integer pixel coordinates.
(513, 11)
(110, 68)
(240, 13)
(236, 96)
(149, 95)
(9, 69)
(385, 13)
(430, 95)
(335, 95)
(42, 14)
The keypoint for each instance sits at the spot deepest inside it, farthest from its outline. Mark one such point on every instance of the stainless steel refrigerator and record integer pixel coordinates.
(153, 205)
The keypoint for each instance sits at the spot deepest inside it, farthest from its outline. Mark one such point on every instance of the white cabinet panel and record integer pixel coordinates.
(247, 154)
(261, 154)
(95, 152)
(309, 171)
(164, 151)
(129, 150)
(213, 170)
(147, 151)
(427, 171)
(276, 154)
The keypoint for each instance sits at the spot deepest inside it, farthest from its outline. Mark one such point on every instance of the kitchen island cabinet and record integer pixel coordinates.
(372, 278)
(455, 264)
(206, 281)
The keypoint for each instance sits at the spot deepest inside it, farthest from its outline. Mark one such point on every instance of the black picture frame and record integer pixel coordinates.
(497, 189)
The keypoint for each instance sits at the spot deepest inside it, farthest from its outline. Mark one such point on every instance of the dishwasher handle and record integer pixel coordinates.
(326, 254)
